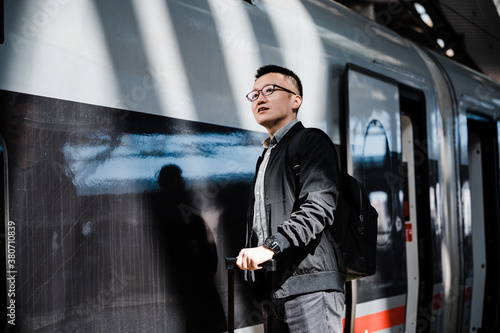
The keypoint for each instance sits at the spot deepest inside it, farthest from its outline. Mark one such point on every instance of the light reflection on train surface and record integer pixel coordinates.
(158, 194)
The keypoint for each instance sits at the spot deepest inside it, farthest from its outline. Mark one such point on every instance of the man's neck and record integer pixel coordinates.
(273, 130)
(279, 134)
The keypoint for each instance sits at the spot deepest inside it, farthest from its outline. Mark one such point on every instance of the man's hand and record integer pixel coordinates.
(251, 258)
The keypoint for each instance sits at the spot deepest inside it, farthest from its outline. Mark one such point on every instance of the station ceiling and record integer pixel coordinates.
(467, 31)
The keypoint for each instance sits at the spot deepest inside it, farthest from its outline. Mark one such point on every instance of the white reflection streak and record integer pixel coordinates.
(497, 5)
(240, 49)
(163, 53)
(299, 39)
(137, 159)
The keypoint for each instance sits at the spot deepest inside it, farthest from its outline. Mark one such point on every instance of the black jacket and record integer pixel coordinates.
(299, 214)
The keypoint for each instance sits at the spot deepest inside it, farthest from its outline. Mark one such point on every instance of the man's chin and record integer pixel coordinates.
(264, 123)
(262, 119)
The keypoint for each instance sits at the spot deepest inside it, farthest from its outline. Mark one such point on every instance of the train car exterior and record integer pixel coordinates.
(474, 254)
(128, 151)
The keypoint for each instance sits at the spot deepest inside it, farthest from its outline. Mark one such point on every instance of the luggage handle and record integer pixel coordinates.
(269, 265)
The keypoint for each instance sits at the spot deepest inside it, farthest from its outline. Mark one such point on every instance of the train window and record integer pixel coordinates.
(376, 151)
(373, 156)
(379, 201)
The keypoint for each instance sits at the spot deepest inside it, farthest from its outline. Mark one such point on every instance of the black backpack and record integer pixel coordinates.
(355, 220)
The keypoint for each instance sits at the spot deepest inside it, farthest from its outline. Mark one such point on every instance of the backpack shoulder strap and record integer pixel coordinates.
(293, 151)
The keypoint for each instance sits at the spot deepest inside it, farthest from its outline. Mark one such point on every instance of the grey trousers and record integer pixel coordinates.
(319, 312)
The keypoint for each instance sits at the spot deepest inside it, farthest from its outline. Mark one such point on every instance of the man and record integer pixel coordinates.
(289, 218)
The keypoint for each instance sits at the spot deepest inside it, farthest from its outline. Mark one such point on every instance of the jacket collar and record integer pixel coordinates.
(280, 134)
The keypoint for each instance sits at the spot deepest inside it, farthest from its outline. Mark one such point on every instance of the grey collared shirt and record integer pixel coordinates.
(260, 223)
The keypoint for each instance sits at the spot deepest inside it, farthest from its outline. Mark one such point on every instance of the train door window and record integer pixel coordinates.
(373, 151)
(483, 168)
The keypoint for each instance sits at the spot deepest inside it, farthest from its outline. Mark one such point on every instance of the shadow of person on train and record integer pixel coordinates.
(189, 254)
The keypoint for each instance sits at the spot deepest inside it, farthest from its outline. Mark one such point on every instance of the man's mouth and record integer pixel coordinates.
(262, 108)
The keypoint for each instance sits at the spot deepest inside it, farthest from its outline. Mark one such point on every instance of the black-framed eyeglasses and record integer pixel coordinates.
(266, 91)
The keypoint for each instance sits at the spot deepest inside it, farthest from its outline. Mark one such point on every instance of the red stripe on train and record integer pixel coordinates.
(380, 320)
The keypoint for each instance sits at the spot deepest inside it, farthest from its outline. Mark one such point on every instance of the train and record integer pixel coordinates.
(128, 151)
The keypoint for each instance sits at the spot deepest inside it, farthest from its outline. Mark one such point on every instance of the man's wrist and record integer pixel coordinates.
(271, 243)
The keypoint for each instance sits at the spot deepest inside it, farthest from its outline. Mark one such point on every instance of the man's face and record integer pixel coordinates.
(276, 110)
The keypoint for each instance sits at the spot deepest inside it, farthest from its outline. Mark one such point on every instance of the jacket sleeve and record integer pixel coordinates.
(318, 192)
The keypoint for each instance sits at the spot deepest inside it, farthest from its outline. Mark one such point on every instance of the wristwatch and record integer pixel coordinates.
(271, 243)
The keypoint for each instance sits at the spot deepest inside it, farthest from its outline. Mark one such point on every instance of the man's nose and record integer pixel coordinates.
(261, 98)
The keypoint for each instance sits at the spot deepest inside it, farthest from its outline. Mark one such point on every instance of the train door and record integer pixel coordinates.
(410, 215)
(423, 306)
(483, 186)
(373, 156)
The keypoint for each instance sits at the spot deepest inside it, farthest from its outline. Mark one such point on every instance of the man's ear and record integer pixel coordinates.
(297, 102)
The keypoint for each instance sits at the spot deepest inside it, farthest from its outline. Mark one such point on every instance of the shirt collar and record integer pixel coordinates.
(269, 143)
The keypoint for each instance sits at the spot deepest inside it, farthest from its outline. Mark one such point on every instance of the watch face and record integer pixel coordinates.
(270, 241)
(272, 244)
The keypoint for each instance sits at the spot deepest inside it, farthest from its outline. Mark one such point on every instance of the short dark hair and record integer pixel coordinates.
(281, 70)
